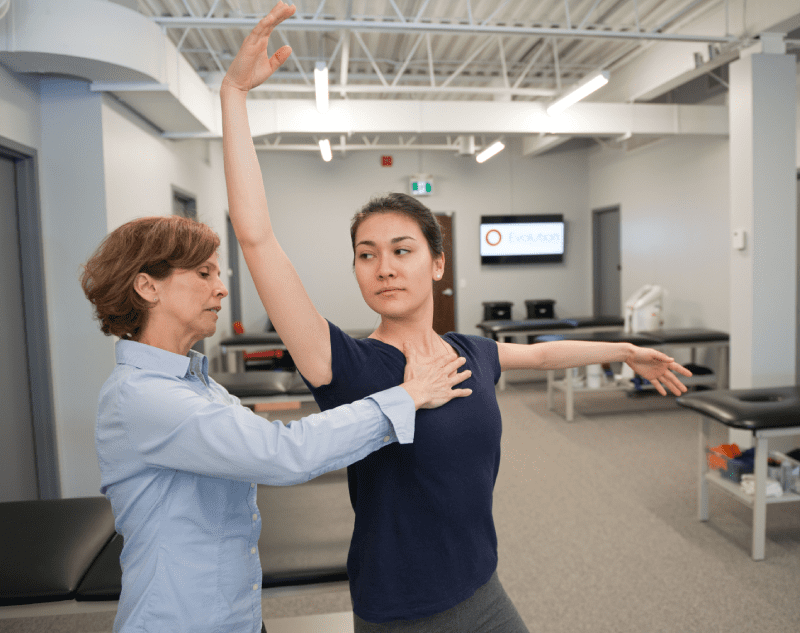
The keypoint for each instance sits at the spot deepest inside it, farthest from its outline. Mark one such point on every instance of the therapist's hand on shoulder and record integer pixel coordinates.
(432, 384)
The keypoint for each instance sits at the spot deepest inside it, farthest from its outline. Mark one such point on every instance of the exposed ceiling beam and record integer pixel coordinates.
(385, 26)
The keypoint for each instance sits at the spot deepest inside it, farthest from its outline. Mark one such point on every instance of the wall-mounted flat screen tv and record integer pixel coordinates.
(522, 239)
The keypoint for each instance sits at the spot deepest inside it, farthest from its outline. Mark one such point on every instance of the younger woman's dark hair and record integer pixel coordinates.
(156, 246)
(405, 205)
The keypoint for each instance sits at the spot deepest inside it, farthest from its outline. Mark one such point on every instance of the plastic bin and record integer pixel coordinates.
(540, 308)
(497, 310)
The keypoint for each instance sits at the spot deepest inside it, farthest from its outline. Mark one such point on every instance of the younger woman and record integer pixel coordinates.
(423, 556)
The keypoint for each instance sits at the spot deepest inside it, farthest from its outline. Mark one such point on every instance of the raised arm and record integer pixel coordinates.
(301, 328)
(650, 364)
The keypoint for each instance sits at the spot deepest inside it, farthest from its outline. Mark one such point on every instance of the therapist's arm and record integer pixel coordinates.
(650, 364)
(167, 424)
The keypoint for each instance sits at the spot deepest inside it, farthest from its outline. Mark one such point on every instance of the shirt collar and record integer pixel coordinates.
(149, 357)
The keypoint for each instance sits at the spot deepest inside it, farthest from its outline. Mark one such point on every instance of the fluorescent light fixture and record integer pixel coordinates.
(490, 151)
(325, 149)
(586, 87)
(321, 86)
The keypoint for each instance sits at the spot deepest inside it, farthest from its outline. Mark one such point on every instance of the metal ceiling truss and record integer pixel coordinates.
(491, 50)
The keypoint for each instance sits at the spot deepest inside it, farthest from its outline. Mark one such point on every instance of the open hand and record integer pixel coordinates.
(657, 367)
(252, 65)
(431, 384)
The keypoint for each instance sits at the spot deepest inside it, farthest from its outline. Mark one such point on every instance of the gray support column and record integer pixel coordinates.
(763, 270)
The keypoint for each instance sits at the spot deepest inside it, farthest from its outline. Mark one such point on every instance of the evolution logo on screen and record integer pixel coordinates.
(521, 239)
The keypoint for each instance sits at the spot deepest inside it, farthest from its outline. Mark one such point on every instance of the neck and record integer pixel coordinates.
(418, 332)
(166, 340)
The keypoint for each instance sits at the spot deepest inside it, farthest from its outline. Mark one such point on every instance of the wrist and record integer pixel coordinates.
(629, 353)
(415, 391)
(228, 90)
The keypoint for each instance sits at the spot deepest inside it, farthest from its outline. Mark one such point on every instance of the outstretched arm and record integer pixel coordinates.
(650, 364)
(301, 328)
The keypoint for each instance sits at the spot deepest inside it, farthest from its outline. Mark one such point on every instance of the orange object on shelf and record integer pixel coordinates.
(719, 455)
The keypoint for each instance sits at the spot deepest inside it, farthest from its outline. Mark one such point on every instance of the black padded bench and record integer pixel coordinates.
(252, 387)
(67, 550)
(494, 329)
(766, 413)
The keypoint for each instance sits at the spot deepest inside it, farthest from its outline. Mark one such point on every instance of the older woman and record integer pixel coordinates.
(180, 457)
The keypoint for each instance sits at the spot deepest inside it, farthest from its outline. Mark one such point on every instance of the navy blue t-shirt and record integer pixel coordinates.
(424, 538)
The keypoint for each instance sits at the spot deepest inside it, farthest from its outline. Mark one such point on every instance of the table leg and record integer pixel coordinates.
(723, 352)
(760, 501)
(702, 492)
(570, 394)
(551, 376)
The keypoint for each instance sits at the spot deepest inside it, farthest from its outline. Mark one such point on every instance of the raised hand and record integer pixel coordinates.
(252, 65)
(657, 367)
(432, 384)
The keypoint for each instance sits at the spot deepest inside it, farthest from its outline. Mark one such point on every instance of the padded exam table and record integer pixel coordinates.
(66, 551)
(232, 347)
(766, 413)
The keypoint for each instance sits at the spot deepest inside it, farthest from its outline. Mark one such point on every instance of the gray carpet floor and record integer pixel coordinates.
(598, 530)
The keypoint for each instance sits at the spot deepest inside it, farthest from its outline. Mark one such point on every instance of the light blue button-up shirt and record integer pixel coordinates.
(180, 458)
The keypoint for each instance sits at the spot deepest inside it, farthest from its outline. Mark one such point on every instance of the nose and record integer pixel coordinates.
(385, 269)
(221, 290)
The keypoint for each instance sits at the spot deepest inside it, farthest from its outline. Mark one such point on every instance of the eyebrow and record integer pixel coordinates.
(395, 240)
(210, 265)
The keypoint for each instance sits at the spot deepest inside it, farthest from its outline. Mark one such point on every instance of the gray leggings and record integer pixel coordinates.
(489, 610)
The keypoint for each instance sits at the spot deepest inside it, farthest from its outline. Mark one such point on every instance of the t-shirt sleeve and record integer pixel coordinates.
(488, 354)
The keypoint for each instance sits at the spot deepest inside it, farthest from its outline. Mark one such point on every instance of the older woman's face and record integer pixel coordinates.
(189, 300)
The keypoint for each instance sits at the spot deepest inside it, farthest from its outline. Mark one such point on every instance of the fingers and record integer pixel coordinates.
(680, 369)
(461, 393)
(279, 13)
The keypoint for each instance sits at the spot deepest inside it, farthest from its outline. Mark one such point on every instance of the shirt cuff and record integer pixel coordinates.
(398, 406)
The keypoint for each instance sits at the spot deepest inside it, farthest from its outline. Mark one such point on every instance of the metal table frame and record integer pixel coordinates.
(759, 501)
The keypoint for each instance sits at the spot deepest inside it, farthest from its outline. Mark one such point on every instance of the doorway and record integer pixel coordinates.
(444, 290)
(27, 429)
(606, 262)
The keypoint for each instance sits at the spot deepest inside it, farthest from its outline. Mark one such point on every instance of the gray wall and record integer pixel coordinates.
(312, 202)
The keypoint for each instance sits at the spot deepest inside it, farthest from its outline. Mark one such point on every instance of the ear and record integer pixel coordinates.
(146, 287)
(438, 267)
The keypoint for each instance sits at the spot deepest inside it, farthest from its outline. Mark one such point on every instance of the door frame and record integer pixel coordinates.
(37, 337)
(596, 256)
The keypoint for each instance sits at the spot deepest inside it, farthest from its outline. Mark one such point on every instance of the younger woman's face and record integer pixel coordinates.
(393, 264)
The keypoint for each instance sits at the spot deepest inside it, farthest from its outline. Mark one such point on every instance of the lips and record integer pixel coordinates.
(385, 290)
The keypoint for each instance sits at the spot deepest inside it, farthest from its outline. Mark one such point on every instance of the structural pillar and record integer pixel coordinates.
(763, 199)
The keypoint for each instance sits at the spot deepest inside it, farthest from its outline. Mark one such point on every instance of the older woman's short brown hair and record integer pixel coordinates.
(155, 246)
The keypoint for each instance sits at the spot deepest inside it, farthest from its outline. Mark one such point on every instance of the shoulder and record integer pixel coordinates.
(479, 344)
(480, 350)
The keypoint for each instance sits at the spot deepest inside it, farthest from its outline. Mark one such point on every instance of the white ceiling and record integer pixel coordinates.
(432, 55)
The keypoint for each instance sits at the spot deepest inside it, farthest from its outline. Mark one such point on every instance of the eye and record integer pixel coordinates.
(204, 274)
(365, 256)
(401, 251)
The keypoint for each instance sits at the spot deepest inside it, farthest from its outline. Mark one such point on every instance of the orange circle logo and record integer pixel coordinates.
(490, 237)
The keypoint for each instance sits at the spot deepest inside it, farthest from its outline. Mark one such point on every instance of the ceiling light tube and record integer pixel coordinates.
(321, 86)
(325, 149)
(490, 151)
(583, 89)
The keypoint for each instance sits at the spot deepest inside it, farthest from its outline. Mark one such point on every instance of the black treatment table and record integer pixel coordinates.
(66, 551)
(253, 387)
(657, 339)
(766, 413)
(232, 346)
(497, 328)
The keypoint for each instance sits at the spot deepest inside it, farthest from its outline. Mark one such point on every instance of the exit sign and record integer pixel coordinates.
(421, 187)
